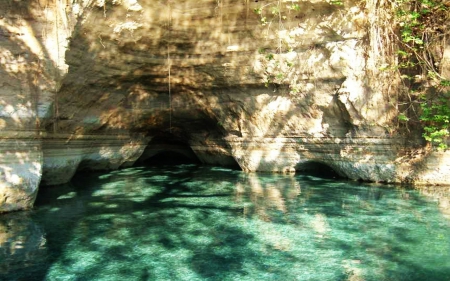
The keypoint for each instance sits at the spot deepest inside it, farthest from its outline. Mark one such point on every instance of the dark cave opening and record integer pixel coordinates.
(170, 149)
(165, 149)
(317, 169)
(170, 158)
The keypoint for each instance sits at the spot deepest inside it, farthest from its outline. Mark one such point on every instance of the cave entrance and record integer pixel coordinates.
(169, 158)
(167, 150)
(317, 169)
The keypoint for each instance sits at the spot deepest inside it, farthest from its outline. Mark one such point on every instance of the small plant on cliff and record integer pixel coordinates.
(423, 26)
(274, 16)
(436, 119)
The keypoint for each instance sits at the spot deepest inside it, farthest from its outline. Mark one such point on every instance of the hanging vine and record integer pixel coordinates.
(57, 74)
(169, 66)
(274, 13)
(423, 30)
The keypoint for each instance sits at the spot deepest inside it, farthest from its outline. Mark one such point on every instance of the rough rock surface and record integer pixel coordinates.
(89, 84)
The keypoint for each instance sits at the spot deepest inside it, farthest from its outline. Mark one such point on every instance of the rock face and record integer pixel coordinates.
(267, 85)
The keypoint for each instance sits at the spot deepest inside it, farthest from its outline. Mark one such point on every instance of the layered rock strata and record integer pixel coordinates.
(64, 155)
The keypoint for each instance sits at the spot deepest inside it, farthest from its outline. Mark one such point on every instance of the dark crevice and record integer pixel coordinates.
(167, 149)
(169, 158)
(317, 169)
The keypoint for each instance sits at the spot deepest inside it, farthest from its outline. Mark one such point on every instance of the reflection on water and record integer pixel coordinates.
(205, 223)
(22, 244)
(439, 194)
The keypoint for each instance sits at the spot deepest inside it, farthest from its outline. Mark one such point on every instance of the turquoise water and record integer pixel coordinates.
(207, 223)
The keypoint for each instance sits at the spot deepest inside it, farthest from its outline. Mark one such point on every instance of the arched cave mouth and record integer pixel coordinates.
(317, 169)
(167, 150)
(169, 158)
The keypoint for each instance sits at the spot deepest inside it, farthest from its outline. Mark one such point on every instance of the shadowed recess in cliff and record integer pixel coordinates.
(167, 149)
(317, 169)
(167, 157)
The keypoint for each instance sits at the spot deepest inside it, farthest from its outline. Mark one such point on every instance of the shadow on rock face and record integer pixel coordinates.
(169, 158)
(317, 169)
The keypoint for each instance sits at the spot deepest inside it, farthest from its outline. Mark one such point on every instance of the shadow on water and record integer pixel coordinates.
(60, 209)
(168, 224)
(189, 222)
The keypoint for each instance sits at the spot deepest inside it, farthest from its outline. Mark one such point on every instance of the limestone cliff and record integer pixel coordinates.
(267, 85)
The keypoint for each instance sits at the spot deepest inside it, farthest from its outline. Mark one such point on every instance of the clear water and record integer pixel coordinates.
(205, 223)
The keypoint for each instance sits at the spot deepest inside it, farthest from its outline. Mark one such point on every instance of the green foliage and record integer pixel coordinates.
(337, 2)
(294, 7)
(275, 10)
(269, 57)
(421, 24)
(403, 54)
(445, 83)
(436, 118)
(403, 117)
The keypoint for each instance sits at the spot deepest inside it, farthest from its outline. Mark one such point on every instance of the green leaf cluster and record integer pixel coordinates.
(337, 2)
(419, 24)
(436, 118)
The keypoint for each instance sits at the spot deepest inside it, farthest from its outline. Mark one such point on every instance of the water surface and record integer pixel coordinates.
(207, 223)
